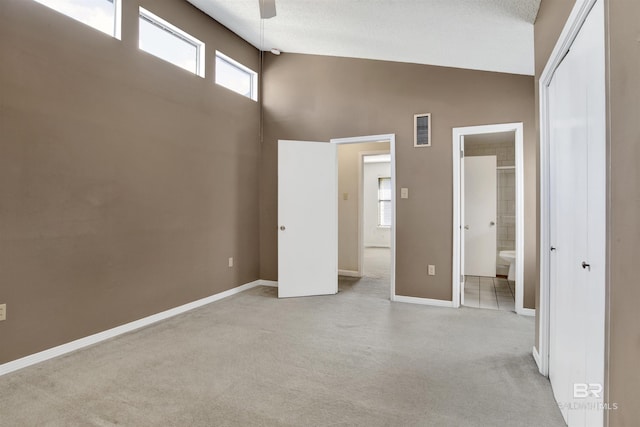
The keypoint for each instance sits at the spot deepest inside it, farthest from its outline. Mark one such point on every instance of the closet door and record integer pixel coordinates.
(577, 208)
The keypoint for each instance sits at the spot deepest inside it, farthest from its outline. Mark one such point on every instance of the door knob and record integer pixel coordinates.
(492, 223)
(466, 227)
(553, 248)
(586, 266)
(282, 228)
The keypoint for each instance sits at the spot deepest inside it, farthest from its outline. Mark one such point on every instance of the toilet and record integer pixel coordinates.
(510, 257)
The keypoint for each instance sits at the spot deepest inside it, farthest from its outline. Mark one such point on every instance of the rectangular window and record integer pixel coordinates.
(168, 42)
(236, 77)
(384, 202)
(103, 15)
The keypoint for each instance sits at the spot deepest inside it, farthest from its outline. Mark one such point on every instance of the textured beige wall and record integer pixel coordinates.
(624, 209)
(319, 98)
(348, 182)
(125, 182)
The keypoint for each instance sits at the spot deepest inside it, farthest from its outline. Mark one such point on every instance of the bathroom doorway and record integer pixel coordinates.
(488, 217)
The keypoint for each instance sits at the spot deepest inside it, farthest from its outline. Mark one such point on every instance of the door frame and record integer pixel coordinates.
(391, 139)
(576, 19)
(458, 136)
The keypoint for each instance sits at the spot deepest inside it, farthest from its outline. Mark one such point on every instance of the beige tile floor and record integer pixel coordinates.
(495, 293)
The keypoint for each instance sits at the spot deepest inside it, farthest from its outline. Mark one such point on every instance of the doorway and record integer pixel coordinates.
(367, 209)
(488, 235)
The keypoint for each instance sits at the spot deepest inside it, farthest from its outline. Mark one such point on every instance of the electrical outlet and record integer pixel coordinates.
(231, 262)
(3, 312)
(432, 270)
(404, 193)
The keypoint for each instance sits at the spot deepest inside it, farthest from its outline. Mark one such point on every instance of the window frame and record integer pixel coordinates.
(116, 32)
(381, 200)
(240, 67)
(164, 25)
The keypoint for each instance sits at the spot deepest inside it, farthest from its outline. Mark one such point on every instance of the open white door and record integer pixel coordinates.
(308, 219)
(480, 199)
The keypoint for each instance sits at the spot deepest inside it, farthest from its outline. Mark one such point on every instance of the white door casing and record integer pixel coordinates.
(307, 219)
(480, 200)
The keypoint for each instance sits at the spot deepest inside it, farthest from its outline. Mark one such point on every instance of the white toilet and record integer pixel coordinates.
(510, 257)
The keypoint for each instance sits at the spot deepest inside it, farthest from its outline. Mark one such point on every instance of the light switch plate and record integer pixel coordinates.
(432, 270)
(231, 262)
(404, 193)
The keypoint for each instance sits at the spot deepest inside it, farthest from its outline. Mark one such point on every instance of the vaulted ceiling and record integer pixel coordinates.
(491, 35)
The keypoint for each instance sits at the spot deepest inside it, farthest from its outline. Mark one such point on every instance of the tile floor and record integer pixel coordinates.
(489, 292)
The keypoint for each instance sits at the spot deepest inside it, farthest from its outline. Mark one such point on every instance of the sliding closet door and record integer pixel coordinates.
(577, 208)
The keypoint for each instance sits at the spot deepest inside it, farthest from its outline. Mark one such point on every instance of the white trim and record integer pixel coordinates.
(536, 356)
(69, 347)
(349, 273)
(458, 134)
(271, 283)
(571, 29)
(177, 32)
(423, 301)
(241, 67)
(531, 312)
(117, 25)
(391, 139)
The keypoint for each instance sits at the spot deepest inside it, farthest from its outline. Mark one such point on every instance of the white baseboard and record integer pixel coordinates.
(271, 283)
(51, 353)
(423, 301)
(536, 356)
(527, 312)
(349, 273)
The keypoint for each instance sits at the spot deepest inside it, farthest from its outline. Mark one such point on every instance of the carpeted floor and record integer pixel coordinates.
(353, 359)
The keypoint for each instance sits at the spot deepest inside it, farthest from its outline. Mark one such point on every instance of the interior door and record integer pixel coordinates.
(307, 219)
(480, 205)
(577, 214)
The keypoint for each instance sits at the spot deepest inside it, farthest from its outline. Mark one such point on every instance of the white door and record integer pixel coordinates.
(307, 219)
(577, 229)
(480, 205)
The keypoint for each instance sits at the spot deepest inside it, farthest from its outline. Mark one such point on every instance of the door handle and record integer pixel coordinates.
(586, 266)
(466, 227)
(492, 223)
(282, 228)
(553, 248)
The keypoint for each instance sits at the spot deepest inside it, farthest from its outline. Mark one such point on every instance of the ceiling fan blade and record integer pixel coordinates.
(267, 8)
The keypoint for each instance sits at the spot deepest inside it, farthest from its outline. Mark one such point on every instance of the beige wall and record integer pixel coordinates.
(125, 182)
(348, 182)
(319, 98)
(623, 210)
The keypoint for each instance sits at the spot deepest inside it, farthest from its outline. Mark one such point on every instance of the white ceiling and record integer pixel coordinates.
(491, 35)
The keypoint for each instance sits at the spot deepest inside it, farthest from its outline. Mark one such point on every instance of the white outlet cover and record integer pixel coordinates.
(404, 193)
